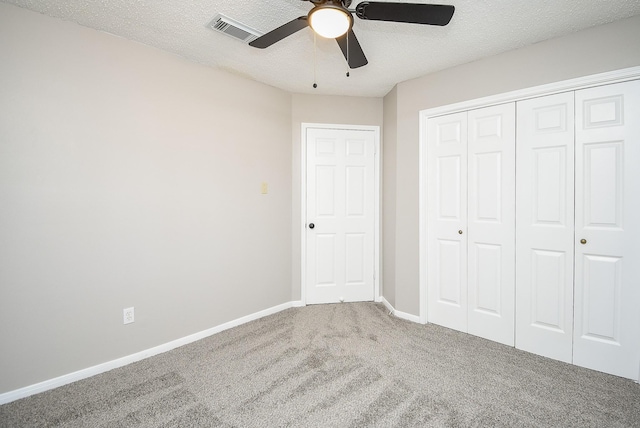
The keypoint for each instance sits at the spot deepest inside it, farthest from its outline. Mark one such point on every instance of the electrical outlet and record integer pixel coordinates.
(128, 317)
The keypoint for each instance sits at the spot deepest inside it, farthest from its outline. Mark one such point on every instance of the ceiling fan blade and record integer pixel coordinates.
(431, 14)
(280, 33)
(352, 50)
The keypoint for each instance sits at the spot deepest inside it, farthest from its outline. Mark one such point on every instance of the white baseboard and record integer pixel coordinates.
(10, 396)
(399, 314)
(386, 303)
(408, 317)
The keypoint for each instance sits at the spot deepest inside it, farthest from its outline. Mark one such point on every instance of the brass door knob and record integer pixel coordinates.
(583, 241)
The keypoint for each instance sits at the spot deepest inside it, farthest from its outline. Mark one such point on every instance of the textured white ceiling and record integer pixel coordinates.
(396, 52)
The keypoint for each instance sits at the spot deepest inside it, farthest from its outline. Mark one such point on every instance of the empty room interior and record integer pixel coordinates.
(213, 215)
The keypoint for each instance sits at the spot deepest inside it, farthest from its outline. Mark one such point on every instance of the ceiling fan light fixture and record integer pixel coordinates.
(330, 21)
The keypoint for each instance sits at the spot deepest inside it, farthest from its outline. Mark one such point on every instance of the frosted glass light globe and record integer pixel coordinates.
(329, 22)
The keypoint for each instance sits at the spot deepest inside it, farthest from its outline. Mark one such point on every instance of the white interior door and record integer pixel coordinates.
(470, 221)
(340, 215)
(607, 250)
(545, 226)
(491, 222)
(447, 221)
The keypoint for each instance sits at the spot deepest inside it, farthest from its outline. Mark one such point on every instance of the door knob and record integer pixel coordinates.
(460, 232)
(583, 241)
(311, 225)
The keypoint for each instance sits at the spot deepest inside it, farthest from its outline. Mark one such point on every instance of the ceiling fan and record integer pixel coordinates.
(332, 19)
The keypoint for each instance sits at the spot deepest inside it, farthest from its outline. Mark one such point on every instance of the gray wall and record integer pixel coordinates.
(595, 50)
(129, 177)
(322, 109)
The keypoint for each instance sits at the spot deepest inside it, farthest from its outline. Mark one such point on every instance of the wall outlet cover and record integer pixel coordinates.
(128, 315)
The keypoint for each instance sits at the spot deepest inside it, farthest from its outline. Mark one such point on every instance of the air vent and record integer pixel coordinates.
(233, 28)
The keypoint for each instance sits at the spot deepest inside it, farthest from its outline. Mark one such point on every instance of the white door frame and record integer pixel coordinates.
(303, 203)
(617, 76)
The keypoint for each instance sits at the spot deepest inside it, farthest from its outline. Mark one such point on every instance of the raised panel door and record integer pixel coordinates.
(340, 205)
(491, 222)
(545, 226)
(607, 253)
(446, 217)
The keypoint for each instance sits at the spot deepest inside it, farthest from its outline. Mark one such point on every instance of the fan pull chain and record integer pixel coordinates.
(347, 35)
(315, 65)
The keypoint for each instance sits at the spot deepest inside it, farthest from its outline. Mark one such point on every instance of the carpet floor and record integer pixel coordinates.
(346, 365)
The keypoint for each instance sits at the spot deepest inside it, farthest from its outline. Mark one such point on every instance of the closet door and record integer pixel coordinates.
(545, 226)
(491, 222)
(470, 222)
(607, 249)
(447, 221)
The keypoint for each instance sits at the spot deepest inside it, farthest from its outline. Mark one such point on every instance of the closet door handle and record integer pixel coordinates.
(583, 241)
(460, 232)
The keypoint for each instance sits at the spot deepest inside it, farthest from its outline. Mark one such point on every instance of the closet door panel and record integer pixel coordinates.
(446, 216)
(545, 226)
(491, 222)
(607, 268)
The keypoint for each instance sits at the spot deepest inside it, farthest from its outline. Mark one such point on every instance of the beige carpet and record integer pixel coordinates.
(347, 365)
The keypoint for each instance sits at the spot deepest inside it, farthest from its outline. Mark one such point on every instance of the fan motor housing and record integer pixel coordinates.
(345, 3)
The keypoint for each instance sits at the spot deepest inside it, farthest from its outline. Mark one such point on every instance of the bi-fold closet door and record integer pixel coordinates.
(558, 265)
(545, 226)
(578, 226)
(471, 221)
